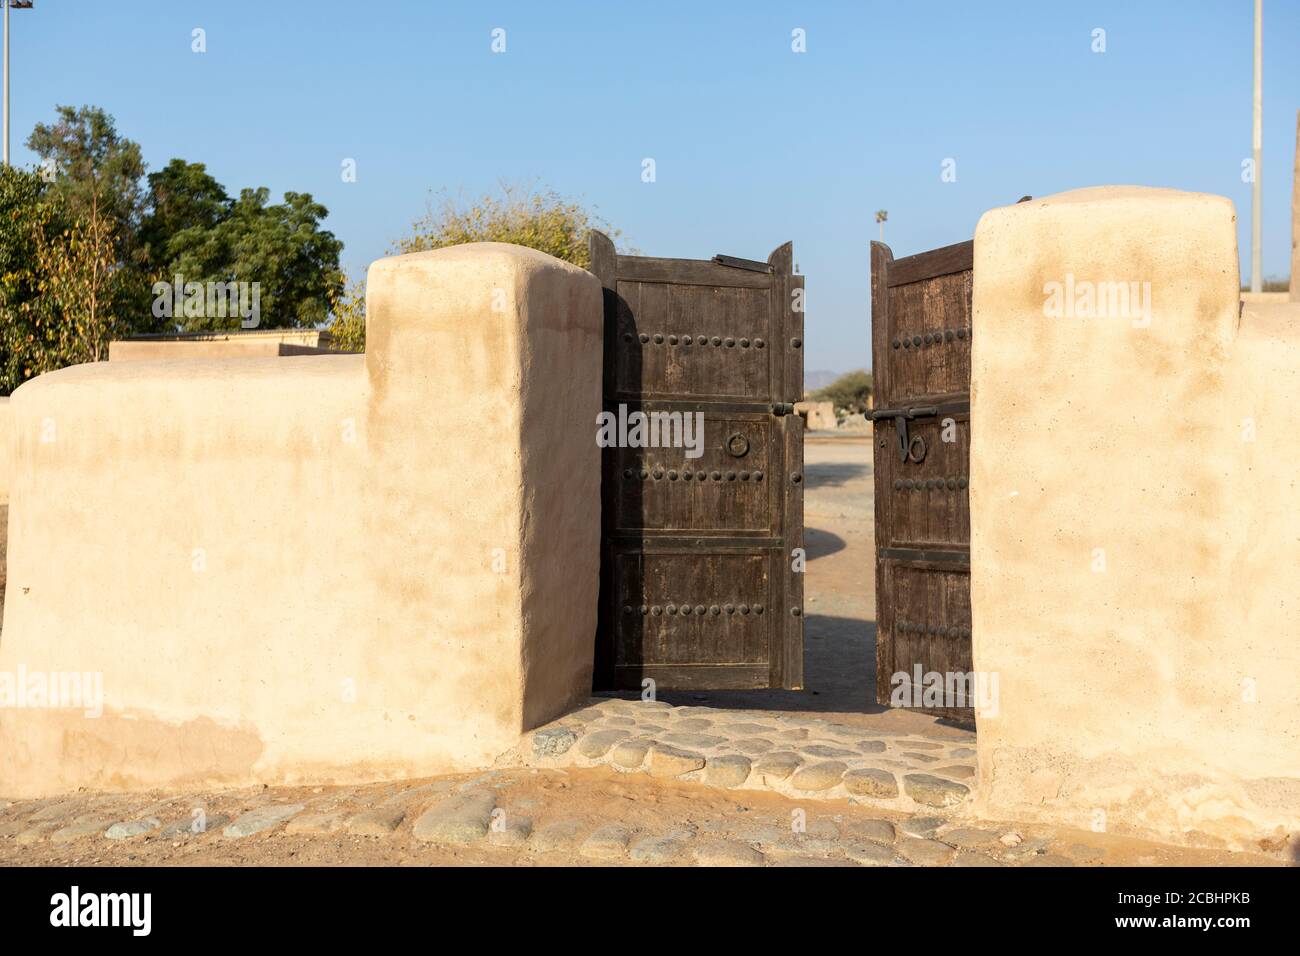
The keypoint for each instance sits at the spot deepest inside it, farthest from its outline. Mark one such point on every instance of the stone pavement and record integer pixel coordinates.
(798, 755)
(531, 816)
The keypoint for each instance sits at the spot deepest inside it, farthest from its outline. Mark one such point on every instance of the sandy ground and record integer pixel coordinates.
(596, 798)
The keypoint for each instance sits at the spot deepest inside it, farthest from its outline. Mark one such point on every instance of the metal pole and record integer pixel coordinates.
(1257, 141)
(6, 119)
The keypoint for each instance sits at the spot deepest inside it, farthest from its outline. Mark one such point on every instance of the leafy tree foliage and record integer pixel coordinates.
(184, 205)
(95, 171)
(195, 231)
(851, 391)
(29, 324)
(348, 330)
(84, 237)
(284, 248)
(538, 219)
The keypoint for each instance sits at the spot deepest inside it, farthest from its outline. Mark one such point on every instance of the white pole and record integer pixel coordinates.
(1257, 140)
(6, 120)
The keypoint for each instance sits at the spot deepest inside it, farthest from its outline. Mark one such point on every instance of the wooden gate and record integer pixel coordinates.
(697, 586)
(921, 347)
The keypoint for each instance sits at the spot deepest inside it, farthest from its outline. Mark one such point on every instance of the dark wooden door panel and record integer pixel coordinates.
(928, 618)
(689, 341)
(928, 504)
(728, 489)
(921, 340)
(697, 584)
(695, 607)
(929, 336)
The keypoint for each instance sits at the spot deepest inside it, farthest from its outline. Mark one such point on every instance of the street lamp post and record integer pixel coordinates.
(1256, 145)
(17, 5)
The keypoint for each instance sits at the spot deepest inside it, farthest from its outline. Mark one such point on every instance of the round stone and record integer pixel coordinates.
(462, 818)
(693, 740)
(132, 828)
(925, 827)
(961, 771)
(728, 770)
(825, 752)
(932, 791)
(595, 745)
(725, 853)
(693, 723)
(560, 835)
(514, 830)
(553, 741)
(871, 782)
(607, 843)
(656, 849)
(875, 831)
(818, 776)
(746, 728)
(673, 762)
(925, 852)
(630, 754)
(777, 766)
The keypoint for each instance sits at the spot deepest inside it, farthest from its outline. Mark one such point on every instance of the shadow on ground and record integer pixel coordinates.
(832, 474)
(839, 661)
(818, 543)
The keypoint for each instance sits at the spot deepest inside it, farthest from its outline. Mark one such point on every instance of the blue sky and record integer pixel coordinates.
(753, 144)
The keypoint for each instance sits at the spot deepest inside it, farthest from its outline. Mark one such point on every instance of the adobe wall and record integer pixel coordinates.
(244, 344)
(1134, 535)
(818, 416)
(326, 568)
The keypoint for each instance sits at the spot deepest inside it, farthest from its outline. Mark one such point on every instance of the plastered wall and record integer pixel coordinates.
(323, 568)
(1134, 536)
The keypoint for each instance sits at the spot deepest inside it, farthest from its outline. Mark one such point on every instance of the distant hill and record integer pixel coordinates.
(818, 378)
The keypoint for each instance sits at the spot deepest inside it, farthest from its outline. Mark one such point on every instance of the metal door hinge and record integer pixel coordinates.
(782, 408)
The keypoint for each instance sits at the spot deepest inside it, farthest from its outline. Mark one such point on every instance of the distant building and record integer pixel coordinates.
(254, 343)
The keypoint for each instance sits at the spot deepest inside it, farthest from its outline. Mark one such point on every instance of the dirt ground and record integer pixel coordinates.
(595, 798)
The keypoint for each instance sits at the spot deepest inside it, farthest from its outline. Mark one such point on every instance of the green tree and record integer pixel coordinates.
(82, 242)
(95, 180)
(29, 322)
(851, 391)
(538, 219)
(60, 279)
(82, 281)
(184, 205)
(97, 172)
(281, 247)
